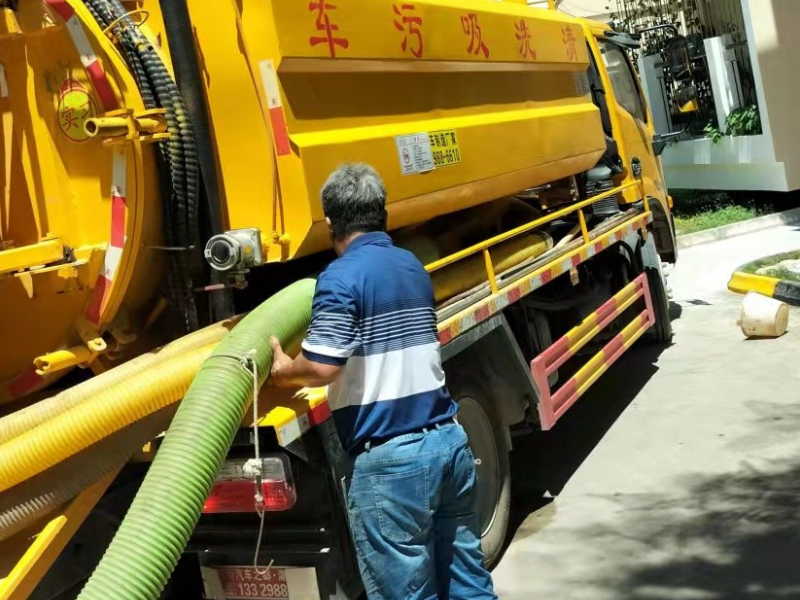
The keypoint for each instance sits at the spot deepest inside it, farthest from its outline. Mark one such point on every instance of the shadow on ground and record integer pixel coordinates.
(542, 463)
(734, 535)
(731, 536)
(676, 310)
(719, 537)
(710, 537)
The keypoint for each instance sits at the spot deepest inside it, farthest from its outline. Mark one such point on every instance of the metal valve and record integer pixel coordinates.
(235, 250)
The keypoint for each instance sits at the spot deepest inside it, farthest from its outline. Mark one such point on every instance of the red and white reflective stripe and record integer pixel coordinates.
(24, 383)
(295, 427)
(108, 99)
(452, 327)
(62, 7)
(119, 195)
(277, 117)
(117, 238)
(90, 62)
(320, 413)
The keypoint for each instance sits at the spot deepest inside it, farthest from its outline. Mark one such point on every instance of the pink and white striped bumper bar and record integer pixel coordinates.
(552, 405)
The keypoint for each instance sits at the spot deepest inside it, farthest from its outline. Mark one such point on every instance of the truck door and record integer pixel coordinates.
(632, 125)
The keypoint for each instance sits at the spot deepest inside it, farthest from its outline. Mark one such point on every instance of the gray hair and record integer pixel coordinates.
(354, 199)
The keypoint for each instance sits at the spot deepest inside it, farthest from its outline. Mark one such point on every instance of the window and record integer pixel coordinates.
(623, 81)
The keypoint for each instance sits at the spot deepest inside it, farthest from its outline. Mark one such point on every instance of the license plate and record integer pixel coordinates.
(233, 582)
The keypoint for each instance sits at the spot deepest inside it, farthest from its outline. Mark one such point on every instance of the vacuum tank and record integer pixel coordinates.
(455, 102)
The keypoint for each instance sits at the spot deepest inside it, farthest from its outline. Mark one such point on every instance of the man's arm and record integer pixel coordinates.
(299, 371)
(331, 338)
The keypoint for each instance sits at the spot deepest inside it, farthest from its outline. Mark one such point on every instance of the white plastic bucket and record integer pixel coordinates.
(763, 316)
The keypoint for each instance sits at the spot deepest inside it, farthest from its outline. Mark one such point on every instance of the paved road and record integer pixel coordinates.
(677, 477)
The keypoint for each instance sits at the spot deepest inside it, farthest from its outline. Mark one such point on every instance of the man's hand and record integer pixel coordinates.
(281, 362)
(298, 372)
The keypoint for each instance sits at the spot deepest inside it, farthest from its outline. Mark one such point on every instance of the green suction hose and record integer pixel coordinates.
(151, 538)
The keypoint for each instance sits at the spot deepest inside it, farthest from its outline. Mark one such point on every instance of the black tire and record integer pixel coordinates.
(487, 439)
(661, 331)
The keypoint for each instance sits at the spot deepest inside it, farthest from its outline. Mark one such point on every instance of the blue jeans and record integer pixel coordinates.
(412, 513)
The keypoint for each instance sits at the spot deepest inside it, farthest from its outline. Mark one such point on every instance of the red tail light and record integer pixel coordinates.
(234, 490)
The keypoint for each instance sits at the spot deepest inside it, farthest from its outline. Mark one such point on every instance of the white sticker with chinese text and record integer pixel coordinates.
(414, 152)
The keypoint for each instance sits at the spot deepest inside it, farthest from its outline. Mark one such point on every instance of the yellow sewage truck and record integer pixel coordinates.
(160, 219)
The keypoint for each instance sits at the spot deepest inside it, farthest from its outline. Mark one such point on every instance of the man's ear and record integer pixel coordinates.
(330, 228)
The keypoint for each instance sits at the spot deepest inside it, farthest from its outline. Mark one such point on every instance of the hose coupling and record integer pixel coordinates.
(148, 125)
(69, 357)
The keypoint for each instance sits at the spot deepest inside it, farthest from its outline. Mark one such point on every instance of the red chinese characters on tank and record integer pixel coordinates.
(569, 40)
(469, 23)
(410, 24)
(328, 29)
(523, 35)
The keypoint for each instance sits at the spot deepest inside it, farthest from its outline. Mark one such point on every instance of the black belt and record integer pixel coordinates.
(377, 441)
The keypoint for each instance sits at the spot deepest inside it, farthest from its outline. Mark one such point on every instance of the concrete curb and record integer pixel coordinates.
(786, 217)
(780, 289)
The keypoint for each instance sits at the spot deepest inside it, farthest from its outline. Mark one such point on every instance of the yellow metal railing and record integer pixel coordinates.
(31, 255)
(485, 245)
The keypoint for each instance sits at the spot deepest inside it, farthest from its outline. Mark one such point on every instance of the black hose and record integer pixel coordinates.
(145, 88)
(187, 74)
(180, 210)
(183, 218)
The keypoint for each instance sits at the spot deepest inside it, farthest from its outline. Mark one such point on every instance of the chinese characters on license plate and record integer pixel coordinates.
(249, 582)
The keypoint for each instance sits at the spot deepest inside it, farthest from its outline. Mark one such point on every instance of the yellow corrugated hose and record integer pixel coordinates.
(31, 416)
(29, 501)
(106, 411)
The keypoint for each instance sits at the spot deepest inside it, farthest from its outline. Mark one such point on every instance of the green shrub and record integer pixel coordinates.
(740, 121)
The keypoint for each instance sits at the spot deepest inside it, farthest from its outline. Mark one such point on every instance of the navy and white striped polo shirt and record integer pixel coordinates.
(373, 313)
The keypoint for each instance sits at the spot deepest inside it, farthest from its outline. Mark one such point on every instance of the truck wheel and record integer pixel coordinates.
(661, 331)
(487, 439)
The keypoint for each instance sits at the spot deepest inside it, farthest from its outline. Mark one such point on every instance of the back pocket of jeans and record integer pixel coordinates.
(403, 504)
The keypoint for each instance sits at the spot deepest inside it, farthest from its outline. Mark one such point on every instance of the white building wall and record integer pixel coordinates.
(770, 161)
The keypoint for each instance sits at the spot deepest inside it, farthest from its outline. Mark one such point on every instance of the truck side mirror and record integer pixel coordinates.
(662, 140)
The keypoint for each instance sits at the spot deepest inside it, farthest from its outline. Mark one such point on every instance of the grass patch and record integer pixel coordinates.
(754, 266)
(784, 274)
(696, 210)
(713, 218)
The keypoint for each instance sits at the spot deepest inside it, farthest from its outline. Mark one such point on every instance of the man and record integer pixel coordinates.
(373, 337)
